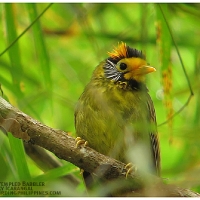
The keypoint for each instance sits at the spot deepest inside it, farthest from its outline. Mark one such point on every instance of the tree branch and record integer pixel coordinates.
(64, 146)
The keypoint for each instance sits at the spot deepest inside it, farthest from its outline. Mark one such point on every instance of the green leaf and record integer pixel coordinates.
(56, 173)
(40, 46)
(14, 53)
(4, 160)
(19, 157)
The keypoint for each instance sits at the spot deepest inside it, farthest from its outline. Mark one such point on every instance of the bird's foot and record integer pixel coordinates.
(79, 141)
(130, 168)
(81, 171)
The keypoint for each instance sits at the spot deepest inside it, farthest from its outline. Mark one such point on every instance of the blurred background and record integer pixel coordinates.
(45, 70)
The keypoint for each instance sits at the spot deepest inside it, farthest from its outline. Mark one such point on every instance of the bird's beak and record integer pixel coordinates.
(142, 70)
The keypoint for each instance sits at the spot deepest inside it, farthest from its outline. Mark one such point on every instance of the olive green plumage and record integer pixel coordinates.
(115, 113)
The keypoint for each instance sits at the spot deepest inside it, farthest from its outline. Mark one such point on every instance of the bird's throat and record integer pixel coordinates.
(135, 85)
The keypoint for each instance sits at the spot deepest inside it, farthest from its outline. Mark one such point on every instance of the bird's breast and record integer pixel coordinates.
(106, 116)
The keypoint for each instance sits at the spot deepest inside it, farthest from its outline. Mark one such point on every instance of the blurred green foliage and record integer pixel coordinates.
(44, 72)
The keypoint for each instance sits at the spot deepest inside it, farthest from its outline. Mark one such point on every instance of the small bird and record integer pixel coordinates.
(115, 113)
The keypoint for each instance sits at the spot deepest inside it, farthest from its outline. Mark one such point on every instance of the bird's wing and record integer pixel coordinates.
(154, 137)
(156, 151)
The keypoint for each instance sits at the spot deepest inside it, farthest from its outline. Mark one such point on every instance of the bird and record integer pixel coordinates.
(115, 113)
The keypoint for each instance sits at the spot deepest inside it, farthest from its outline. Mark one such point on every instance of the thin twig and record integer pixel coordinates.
(180, 110)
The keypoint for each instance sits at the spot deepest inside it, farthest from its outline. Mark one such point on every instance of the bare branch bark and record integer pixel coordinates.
(63, 146)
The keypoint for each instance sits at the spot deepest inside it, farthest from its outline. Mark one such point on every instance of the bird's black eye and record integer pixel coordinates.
(123, 66)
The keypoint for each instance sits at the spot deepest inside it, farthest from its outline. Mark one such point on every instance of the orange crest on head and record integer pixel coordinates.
(119, 52)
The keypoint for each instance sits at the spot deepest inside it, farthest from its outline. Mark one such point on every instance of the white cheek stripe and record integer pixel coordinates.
(111, 71)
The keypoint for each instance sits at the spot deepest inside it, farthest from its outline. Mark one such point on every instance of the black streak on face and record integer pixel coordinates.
(135, 85)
